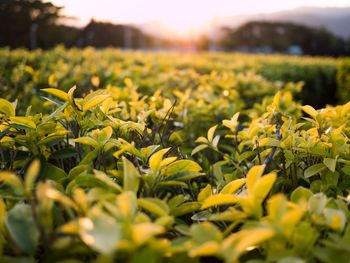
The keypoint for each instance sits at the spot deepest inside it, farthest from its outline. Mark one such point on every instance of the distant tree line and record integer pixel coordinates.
(34, 23)
(284, 38)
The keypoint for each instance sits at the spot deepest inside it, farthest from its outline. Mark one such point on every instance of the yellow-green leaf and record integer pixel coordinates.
(167, 161)
(198, 149)
(310, 110)
(7, 108)
(71, 95)
(205, 193)
(156, 158)
(210, 248)
(335, 219)
(182, 166)
(87, 141)
(155, 206)
(57, 196)
(142, 232)
(131, 176)
(238, 243)
(108, 181)
(57, 93)
(23, 121)
(93, 102)
(232, 124)
(211, 132)
(31, 174)
(253, 175)
(220, 199)
(233, 186)
(12, 180)
(263, 186)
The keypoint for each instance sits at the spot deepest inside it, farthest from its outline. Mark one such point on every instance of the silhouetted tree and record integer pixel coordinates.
(100, 34)
(22, 20)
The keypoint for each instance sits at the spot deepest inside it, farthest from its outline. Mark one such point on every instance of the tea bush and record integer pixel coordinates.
(165, 160)
(318, 75)
(343, 79)
(24, 73)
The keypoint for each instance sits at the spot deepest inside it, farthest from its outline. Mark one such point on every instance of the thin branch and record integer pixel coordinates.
(272, 153)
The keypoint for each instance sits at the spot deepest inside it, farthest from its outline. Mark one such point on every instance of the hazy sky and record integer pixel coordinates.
(180, 14)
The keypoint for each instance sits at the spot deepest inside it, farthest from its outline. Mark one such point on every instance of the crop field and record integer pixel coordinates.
(146, 157)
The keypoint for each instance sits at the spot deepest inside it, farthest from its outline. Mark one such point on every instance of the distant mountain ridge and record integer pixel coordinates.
(336, 20)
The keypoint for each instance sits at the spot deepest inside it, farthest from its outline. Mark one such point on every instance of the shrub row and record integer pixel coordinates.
(24, 73)
(343, 78)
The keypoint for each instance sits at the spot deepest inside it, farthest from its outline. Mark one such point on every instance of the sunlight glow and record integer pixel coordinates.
(182, 15)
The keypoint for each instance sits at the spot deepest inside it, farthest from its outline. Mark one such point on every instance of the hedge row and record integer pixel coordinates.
(343, 79)
(326, 80)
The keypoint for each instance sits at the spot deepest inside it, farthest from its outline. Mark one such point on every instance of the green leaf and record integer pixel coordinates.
(171, 184)
(155, 206)
(330, 163)
(199, 148)
(88, 159)
(330, 178)
(79, 169)
(88, 141)
(101, 232)
(314, 169)
(185, 208)
(53, 138)
(183, 176)
(300, 193)
(23, 122)
(54, 173)
(317, 203)
(108, 181)
(131, 176)
(182, 166)
(22, 228)
(64, 153)
(103, 135)
(93, 181)
(205, 232)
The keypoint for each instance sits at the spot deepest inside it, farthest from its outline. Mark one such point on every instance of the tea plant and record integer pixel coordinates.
(198, 167)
